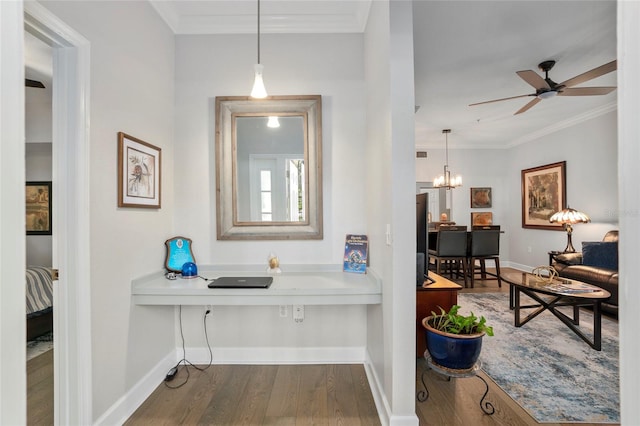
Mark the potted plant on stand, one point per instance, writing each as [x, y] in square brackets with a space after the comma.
[454, 340]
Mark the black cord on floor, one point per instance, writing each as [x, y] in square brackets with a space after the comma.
[184, 361]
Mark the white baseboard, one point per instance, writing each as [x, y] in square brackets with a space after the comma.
[377, 390]
[518, 266]
[380, 399]
[126, 405]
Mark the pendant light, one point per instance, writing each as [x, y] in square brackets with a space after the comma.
[445, 180]
[273, 122]
[258, 90]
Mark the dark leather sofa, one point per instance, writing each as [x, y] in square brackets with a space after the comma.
[570, 265]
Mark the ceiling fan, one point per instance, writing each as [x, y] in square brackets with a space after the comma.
[33, 83]
[547, 88]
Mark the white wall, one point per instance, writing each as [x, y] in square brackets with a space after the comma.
[38, 136]
[478, 168]
[300, 64]
[590, 150]
[132, 90]
[38, 115]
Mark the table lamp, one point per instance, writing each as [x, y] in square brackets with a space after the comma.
[568, 217]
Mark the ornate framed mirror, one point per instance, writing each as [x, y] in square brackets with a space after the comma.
[269, 168]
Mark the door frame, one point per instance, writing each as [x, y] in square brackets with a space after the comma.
[71, 221]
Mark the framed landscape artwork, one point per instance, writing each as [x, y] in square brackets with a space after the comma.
[38, 208]
[543, 194]
[138, 173]
[481, 218]
[480, 198]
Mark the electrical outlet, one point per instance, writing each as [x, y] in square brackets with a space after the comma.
[298, 313]
[528, 249]
[284, 311]
[208, 309]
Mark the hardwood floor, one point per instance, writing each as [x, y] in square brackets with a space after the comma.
[40, 390]
[295, 395]
[457, 402]
[263, 395]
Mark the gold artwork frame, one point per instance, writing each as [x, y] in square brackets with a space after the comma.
[38, 208]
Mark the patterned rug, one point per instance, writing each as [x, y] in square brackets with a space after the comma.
[545, 367]
[39, 345]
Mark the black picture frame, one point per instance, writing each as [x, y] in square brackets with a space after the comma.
[38, 199]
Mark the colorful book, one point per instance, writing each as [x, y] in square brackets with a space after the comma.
[356, 250]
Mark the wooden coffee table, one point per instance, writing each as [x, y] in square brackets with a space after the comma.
[552, 295]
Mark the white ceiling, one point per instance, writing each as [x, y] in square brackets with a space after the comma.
[469, 51]
[465, 52]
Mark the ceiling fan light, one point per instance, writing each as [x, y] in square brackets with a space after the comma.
[258, 91]
[547, 95]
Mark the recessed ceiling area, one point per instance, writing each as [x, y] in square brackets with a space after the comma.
[276, 16]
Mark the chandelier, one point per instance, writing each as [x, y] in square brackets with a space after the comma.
[445, 180]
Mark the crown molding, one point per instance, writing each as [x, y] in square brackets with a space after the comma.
[581, 118]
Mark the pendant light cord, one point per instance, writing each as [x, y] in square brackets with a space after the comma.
[258, 31]
[446, 148]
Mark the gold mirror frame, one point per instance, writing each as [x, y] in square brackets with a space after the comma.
[228, 227]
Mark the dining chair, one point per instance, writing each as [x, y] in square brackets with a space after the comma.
[485, 245]
[451, 250]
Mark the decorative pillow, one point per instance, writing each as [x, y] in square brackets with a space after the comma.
[600, 254]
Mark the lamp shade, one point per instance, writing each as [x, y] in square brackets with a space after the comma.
[569, 216]
[258, 91]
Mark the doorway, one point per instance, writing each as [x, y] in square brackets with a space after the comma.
[70, 239]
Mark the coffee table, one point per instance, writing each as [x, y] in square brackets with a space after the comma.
[555, 294]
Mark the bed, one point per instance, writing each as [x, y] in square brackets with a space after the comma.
[39, 292]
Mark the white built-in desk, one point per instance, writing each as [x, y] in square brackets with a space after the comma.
[296, 285]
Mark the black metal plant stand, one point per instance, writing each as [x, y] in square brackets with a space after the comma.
[423, 395]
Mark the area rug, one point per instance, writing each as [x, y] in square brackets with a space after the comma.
[39, 345]
[548, 370]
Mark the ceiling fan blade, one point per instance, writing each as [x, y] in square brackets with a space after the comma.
[33, 83]
[502, 99]
[534, 79]
[528, 106]
[589, 75]
[586, 91]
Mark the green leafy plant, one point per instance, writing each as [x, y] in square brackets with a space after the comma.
[455, 323]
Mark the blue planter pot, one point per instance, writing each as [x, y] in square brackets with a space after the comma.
[455, 351]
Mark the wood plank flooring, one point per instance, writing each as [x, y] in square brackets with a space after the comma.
[40, 389]
[263, 395]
